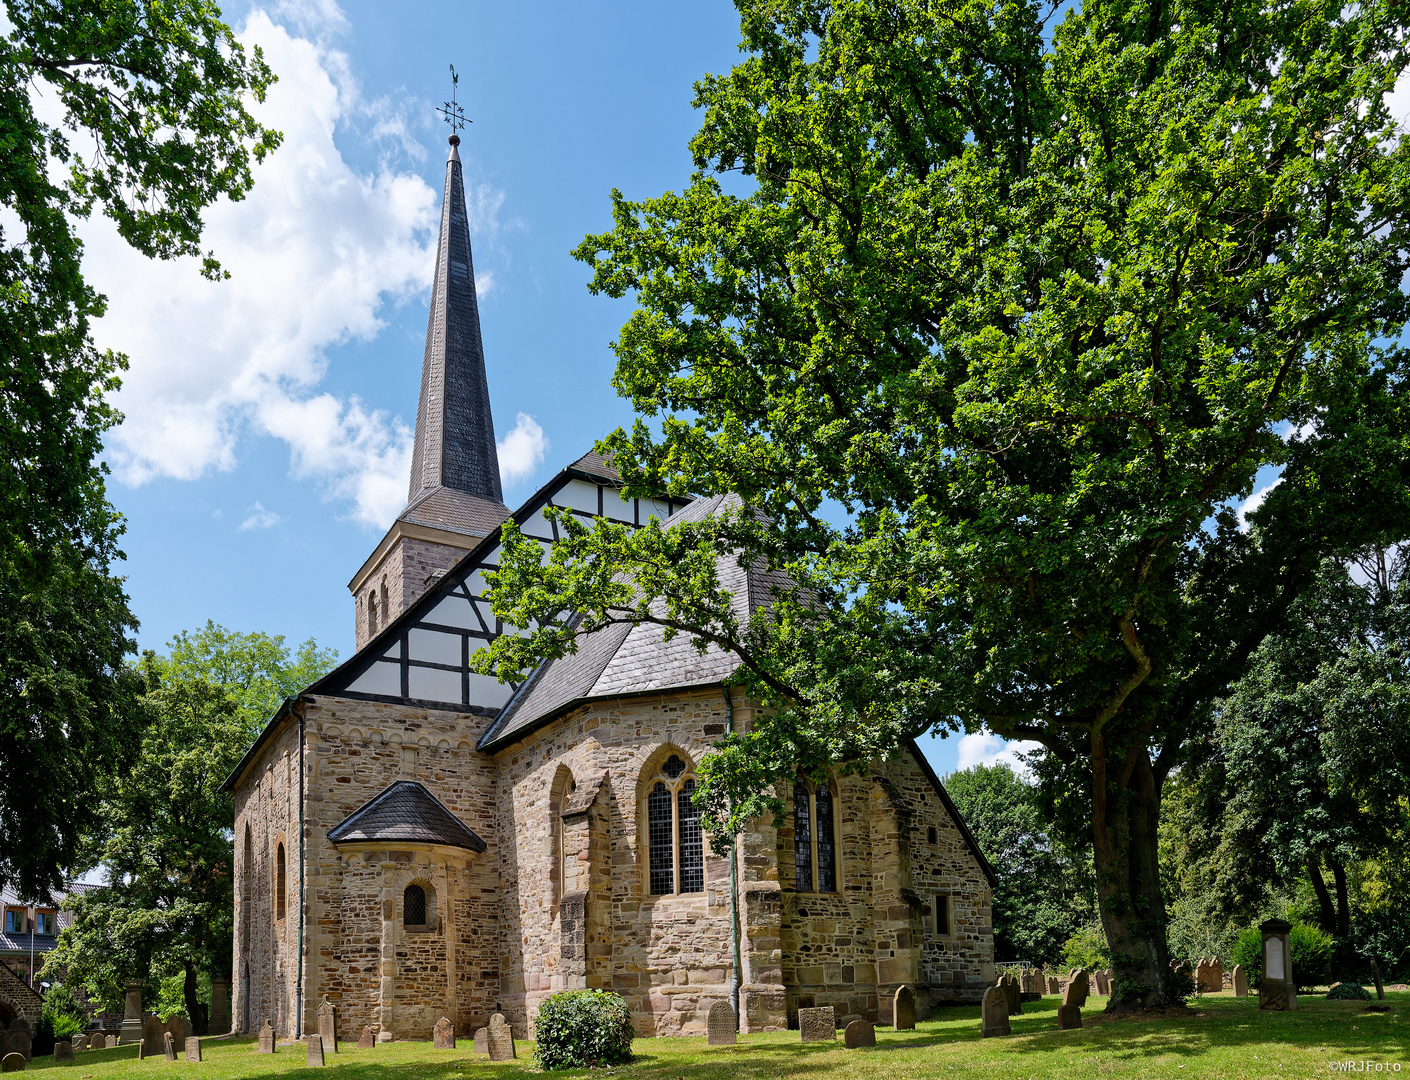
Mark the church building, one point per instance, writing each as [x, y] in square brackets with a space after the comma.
[413, 840]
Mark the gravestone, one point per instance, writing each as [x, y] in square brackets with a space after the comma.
[903, 1010]
[817, 1025]
[132, 1015]
[1011, 992]
[193, 1050]
[79, 1043]
[1076, 992]
[368, 1039]
[721, 1027]
[1054, 986]
[859, 1033]
[1278, 990]
[179, 1029]
[266, 1038]
[501, 1039]
[12, 1062]
[1376, 977]
[142, 1050]
[443, 1034]
[17, 1039]
[218, 1022]
[1069, 1017]
[1240, 981]
[482, 1040]
[994, 1013]
[315, 1051]
[1216, 976]
[1099, 978]
[168, 1046]
[152, 1032]
[328, 1026]
[97, 1041]
[63, 1051]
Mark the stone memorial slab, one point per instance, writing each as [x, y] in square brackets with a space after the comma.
[1076, 992]
[79, 1043]
[721, 1028]
[152, 1030]
[859, 1033]
[328, 1026]
[903, 1010]
[501, 1039]
[142, 1050]
[994, 1013]
[12, 1062]
[1216, 976]
[1011, 992]
[218, 1021]
[1240, 981]
[1069, 1017]
[817, 1025]
[482, 1040]
[97, 1041]
[179, 1027]
[1054, 985]
[1099, 981]
[1278, 989]
[266, 1038]
[368, 1039]
[443, 1034]
[193, 1050]
[315, 1051]
[168, 1046]
[17, 1040]
[63, 1052]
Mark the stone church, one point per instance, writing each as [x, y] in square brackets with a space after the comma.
[413, 840]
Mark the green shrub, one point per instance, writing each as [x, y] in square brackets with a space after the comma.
[63, 1015]
[1349, 991]
[1312, 950]
[1086, 949]
[583, 1028]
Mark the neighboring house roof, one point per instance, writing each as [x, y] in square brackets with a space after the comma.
[405, 812]
[621, 660]
[20, 943]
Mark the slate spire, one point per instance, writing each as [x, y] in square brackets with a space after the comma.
[455, 446]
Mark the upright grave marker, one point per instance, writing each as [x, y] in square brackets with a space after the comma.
[328, 1025]
[817, 1025]
[1278, 991]
[721, 1028]
[193, 1050]
[501, 1039]
[994, 1013]
[859, 1033]
[443, 1034]
[903, 1010]
[12, 1062]
[266, 1038]
[315, 1051]
[368, 1040]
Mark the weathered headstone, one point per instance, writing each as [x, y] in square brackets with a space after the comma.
[903, 1010]
[443, 1034]
[97, 1041]
[63, 1051]
[266, 1038]
[315, 1051]
[17, 1039]
[179, 1029]
[482, 1040]
[218, 1021]
[152, 1031]
[168, 1046]
[1076, 992]
[132, 1015]
[859, 1033]
[817, 1025]
[1054, 986]
[1011, 992]
[1376, 976]
[1216, 976]
[1278, 990]
[1099, 979]
[12, 1062]
[328, 1026]
[994, 1013]
[79, 1043]
[142, 1050]
[368, 1039]
[1069, 1016]
[193, 1049]
[721, 1027]
[1240, 981]
[501, 1039]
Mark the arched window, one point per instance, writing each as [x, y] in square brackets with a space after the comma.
[558, 877]
[372, 614]
[414, 906]
[675, 845]
[281, 871]
[814, 839]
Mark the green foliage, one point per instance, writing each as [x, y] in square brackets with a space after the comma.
[157, 91]
[1349, 991]
[583, 1029]
[63, 1013]
[1003, 324]
[1312, 952]
[1044, 893]
[1086, 949]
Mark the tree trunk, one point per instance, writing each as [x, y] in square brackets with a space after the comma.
[1324, 900]
[1343, 929]
[1125, 820]
[194, 1009]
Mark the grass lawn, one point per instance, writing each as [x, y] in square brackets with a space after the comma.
[1222, 1036]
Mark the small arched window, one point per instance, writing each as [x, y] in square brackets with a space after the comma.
[281, 872]
[372, 614]
[675, 845]
[814, 839]
[414, 906]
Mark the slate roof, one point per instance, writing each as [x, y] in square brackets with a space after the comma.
[454, 445]
[405, 812]
[455, 511]
[622, 660]
[19, 943]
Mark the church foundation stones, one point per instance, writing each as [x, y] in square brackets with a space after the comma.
[501, 1039]
[817, 1025]
[859, 1033]
[903, 1010]
[443, 1035]
[994, 1013]
[720, 1025]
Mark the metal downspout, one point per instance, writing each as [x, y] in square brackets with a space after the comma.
[733, 887]
[299, 977]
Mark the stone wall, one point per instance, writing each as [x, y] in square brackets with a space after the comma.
[401, 578]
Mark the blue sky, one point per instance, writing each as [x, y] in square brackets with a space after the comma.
[266, 442]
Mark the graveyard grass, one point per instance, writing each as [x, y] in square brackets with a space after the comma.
[1222, 1036]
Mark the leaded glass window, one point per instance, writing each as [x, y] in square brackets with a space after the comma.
[827, 864]
[661, 840]
[674, 766]
[692, 843]
[802, 839]
[414, 906]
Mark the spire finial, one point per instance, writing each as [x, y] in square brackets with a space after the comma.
[451, 112]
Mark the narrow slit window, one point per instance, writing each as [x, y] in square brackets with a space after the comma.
[658, 819]
[827, 860]
[692, 843]
[281, 871]
[942, 916]
[802, 839]
[414, 906]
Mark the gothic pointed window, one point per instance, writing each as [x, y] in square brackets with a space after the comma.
[802, 838]
[372, 614]
[281, 872]
[814, 838]
[675, 843]
[827, 863]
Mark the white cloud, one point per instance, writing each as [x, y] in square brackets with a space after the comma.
[522, 450]
[315, 251]
[260, 518]
[986, 748]
[1253, 502]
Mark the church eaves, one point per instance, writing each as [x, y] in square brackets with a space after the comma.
[455, 445]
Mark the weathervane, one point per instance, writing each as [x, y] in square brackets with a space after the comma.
[453, 114]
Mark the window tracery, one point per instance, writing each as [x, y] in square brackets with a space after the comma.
[814, 838]
[675, 843]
